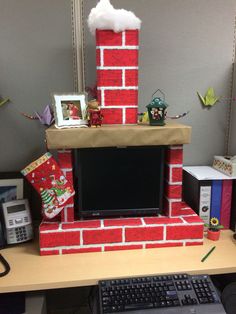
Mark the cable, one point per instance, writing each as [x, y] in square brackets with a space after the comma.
[6, 266]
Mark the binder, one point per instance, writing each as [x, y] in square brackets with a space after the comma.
[197, 194]
[226, 201]
[216, 192]
[233, 208]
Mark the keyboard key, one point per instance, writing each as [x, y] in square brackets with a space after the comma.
[138, 306]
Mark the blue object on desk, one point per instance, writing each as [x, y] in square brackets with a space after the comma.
[216, 191]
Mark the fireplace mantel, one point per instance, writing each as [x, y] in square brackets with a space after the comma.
[118, 135]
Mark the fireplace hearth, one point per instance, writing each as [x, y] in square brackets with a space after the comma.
[178, 225]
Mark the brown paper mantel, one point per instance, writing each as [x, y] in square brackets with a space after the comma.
[118, 135]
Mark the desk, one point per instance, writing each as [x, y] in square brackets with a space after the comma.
[29, 271]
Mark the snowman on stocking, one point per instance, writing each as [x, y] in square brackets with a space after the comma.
[47, 178]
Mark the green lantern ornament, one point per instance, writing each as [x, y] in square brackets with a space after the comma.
[157, 109]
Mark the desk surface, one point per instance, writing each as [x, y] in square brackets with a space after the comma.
[29, 271]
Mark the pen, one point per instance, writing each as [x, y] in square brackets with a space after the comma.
[206, 256]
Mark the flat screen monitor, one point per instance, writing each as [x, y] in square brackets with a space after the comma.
[117, 182]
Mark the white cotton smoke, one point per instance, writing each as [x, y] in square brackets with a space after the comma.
[104, 16]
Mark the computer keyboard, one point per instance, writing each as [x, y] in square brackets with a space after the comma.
[179, 293]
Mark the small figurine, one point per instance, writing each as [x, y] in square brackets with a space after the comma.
[94, 113]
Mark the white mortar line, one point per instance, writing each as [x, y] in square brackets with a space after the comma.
[174, 183]
[118, 47]
[69, 206]
[123, 115]
[175, 147]
[117, 88]
[67, 151]
[66, 169]
[102, 67]
[102, 96]
[65, 213]
[119, 107]
[81, 238]
[123, 38]
[174, 200]
[101, 57]
[173, 165]
[123, 78]
[123, 234]
[164, 233]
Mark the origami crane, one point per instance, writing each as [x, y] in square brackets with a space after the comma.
[209, 99]
[46, 117]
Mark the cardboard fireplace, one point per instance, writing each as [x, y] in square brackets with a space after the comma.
[177, 226]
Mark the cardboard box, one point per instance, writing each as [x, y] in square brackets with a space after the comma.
[225, 164]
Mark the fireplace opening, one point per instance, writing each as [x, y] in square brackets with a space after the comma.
[118, 181]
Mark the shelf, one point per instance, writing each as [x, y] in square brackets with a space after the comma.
[118, 135]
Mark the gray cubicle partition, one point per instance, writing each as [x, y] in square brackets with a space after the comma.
[35, 60]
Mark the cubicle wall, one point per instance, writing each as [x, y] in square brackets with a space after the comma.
[232, 130]
[35, 60]
[185, 46]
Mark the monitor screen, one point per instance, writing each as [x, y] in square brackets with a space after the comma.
[119, 181]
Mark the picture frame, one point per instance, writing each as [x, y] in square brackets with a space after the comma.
[70, 110]
[11, 187]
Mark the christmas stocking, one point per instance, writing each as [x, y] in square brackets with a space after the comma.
[47, 178]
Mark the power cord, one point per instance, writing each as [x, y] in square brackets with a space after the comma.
[6, 266]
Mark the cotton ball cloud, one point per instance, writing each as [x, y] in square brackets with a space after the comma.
[105, 16]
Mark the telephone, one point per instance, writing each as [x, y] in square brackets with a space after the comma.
[18, 221]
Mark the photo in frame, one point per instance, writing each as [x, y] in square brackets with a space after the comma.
[11, 189]
[70, 110]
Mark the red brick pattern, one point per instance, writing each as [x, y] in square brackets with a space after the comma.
[143, 234]
[121, 58]
[180, 227]
[87, 250]
[174, 155]
[174, 174]
[194, 243]
[112, 116]
[121, 234]
[123, 222]
[54, 239]
[132, 38]
[173, 191]
[98, 57]
[173, 180]
[49, 252]
[64, 159]
[102, 236]
[131, 115]
[109, 78]
[167, 244]
[108, 38]
[117, 75]
[118, 97]
[131, 77]
[183, 232]
[122, 247]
